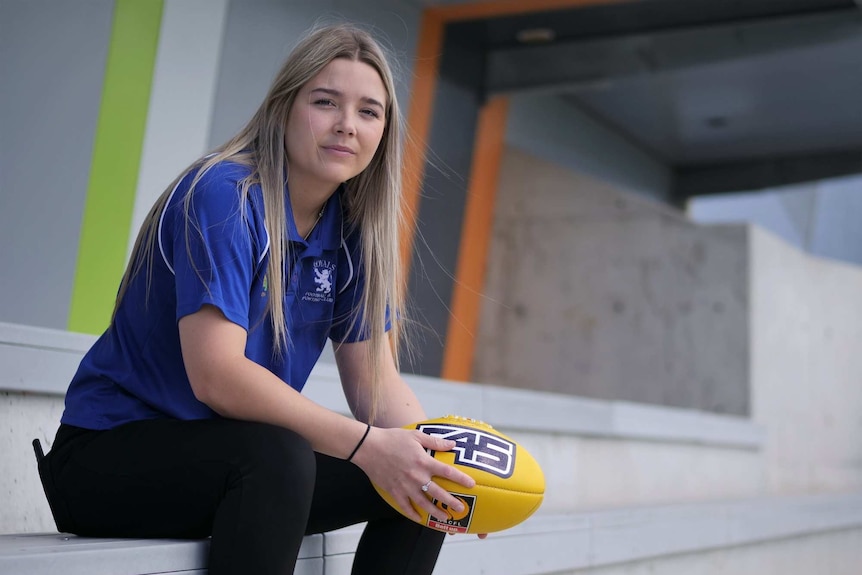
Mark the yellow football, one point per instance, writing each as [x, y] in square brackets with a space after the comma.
[509, 486]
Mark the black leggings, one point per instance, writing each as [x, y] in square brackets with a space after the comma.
[256, 489]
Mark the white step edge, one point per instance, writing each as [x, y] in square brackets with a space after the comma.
[48, 554]
[542, 544]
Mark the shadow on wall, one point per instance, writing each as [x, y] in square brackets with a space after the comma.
[594, 292]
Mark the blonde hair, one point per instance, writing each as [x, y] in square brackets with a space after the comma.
[372, 198]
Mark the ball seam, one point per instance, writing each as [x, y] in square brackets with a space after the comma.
[509, 490]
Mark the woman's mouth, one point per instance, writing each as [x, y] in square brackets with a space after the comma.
[340, 150]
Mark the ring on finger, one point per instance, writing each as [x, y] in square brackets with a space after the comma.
[425, 487]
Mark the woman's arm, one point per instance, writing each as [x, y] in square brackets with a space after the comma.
[398, 407]
[233, 386]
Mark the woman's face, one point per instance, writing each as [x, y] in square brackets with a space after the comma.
[335, 125]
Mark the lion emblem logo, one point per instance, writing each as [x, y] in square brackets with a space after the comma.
[323, 280]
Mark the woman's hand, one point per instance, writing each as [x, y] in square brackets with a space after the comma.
[396, 461]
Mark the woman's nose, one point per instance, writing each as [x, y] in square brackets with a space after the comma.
[345, 125]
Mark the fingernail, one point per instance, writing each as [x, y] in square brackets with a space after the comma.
[459, 506]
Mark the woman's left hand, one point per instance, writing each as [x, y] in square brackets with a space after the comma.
[396, 460]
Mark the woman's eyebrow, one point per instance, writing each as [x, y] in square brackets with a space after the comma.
[338, 94]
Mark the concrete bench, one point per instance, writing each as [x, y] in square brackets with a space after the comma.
[70, 555]
[58, 553]
[545, 544]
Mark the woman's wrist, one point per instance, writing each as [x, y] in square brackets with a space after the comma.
[359, 444]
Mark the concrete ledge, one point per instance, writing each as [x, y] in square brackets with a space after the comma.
[552, 544]
[46, 554]
[38, 360]
[543, 544]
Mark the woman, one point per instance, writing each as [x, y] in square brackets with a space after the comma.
[185, 419]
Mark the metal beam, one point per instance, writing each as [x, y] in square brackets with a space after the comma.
[569, 66]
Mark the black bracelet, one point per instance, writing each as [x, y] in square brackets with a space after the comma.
[361, 441]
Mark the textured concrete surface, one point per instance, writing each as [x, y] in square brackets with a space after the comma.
[590, 473]
[598, 293]
[806, 366]
[835, 553]
[23, 418]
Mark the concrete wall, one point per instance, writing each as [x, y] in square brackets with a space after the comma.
[806, 364]
[28, 417]
[599, 293]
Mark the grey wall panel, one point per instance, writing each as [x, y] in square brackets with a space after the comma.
[261, 33]
[52, 61]
[441, 214]
[444, 193]
[258, 36]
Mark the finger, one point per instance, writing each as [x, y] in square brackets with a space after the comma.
[423, 501]
[407, 508]
[452, 473]
[482, 535]
[426, 500]
[435, 443]
[446, 498]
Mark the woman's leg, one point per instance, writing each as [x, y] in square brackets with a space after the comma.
[391, 544]
[248, 485]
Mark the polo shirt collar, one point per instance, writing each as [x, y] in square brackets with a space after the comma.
[326, 234]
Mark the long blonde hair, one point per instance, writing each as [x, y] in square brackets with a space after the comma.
[372, 198]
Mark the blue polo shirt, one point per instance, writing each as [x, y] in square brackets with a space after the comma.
[135, 369]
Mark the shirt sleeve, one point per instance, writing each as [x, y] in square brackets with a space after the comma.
[213, 249]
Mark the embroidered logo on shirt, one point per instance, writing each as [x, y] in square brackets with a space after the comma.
[323, 281]
[324, 272]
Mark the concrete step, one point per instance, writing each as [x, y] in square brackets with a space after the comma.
[544, 544]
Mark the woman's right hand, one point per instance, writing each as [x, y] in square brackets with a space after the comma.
[396, 460]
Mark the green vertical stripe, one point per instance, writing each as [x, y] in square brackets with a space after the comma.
[116, 160]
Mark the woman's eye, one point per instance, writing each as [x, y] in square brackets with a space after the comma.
[371, 113]
[324, 102]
